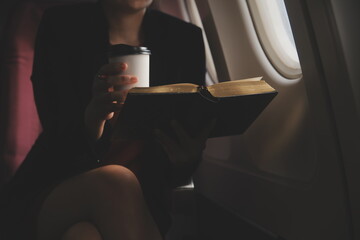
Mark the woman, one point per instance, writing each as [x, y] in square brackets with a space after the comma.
[68, 186]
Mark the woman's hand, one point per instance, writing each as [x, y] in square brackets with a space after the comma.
[110, 88]
[185, 151]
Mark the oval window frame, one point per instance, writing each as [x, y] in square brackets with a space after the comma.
[277, 42]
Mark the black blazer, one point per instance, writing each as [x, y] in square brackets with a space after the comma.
[71, 46]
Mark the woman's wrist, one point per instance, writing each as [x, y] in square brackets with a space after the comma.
[95, 129]
[94, 126]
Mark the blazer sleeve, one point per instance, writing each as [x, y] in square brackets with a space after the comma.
[60, 115]
[194, 67]
[43, 73]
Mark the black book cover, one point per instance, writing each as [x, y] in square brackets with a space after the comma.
[144, 112]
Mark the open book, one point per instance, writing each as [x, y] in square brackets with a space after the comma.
[235, 105]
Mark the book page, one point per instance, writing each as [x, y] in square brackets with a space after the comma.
[240, 87]
[170, 88]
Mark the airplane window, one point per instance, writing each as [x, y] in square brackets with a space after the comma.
[274, 31]
[194, 17]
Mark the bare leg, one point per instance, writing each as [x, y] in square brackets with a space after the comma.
[109, 198]
[82, 231]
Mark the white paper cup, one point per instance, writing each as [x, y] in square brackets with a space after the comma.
[137, 60]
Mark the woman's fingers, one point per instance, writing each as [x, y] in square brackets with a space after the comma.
[117, 82]
[112, 69]
[112, 75]
[122, 82]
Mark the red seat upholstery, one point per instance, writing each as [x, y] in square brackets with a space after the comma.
[20, 124]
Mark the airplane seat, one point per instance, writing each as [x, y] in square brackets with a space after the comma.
[19, 122]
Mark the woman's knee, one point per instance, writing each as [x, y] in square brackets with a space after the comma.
[113, 177]
[96, 185]
[82, 231]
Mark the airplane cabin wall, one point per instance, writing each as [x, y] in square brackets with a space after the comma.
[293, 173]
[347, 19]
[338, 52]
